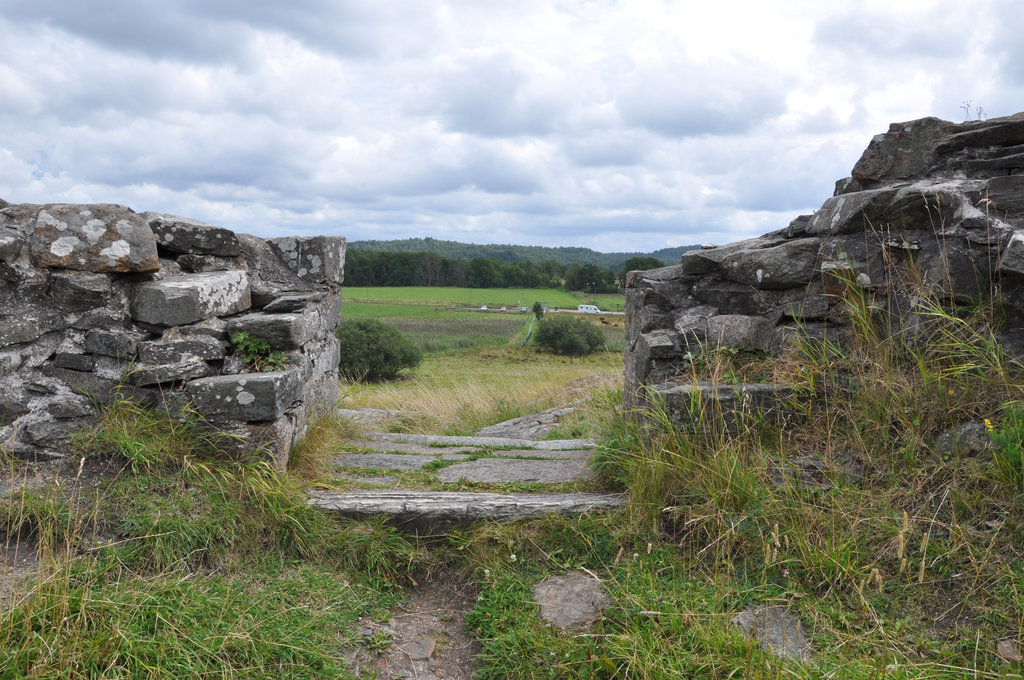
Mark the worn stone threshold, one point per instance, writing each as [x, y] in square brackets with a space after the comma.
[434, 511]
[493, 442]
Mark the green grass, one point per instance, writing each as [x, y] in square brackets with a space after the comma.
[446, 335]
[187, 564]
[493, 298]
[908, 566]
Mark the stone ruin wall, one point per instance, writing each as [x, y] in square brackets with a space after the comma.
[932, 208]
[98, 302]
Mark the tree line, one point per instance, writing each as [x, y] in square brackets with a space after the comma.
[379, 268]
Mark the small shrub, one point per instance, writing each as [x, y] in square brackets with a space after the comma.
[568, 336]
[256, 353]
[371, 350]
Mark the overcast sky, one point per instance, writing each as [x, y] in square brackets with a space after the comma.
[620, 126]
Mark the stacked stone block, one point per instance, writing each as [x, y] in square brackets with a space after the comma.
[932, 210]
[98, 302]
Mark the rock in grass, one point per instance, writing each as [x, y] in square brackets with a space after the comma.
[777, 631]
[570, 602]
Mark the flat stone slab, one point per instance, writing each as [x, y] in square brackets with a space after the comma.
[570, 602]
[183, 235]
[515, 470]
[495, 442]
[533, 426]
[379, 480]
[390, 461]
[439, 510]
[777, 631]
[401, 447]
[421, 449]
[188, 298]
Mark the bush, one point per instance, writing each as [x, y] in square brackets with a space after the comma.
[371, 350]
[568, 336]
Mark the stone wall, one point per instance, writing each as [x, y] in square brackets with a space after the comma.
[933, 209]
[98, 302]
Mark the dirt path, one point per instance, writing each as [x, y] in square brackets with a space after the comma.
[425, 638]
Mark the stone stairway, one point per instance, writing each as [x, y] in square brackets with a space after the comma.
[432, 483]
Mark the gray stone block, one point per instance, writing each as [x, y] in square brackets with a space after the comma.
[788, 265]
[740, 332]
[496, 470]
[76, 362]
[1012, 260]
[186, 369]
[188, 298]
[318, 259]
[247, 396]
[95, 238]
[182, 235]
[174, 351]
[293, 302]
[75, 291]
[121, 344]
[11, 242]
[282, 331]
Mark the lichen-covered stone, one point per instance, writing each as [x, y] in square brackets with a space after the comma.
[319, 259]
[173, 351]
[182, 235]
[192, 297]
[186, 369]
[247, 397]
[95, 238]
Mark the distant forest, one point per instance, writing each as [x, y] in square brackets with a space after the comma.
[430, 262]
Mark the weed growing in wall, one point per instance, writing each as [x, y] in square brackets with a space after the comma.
[256, 353]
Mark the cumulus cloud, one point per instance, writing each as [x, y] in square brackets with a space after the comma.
[620, 126]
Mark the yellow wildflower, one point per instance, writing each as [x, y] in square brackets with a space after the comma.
[988, 425]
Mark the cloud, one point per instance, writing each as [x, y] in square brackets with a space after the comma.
[624, 126]
[683, 98]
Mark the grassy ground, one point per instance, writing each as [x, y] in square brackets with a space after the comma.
[458, 393]
[906, 564]
[493, 298]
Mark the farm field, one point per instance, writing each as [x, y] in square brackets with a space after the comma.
[440, 330]
[493, 298]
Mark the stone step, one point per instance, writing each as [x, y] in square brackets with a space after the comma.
[497, 470]
[533, 426]
[445, 451]
[437, 511]
[493, 442]
[400, 462]
[519, 465]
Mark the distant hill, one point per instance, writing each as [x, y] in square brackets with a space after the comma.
[509, 253]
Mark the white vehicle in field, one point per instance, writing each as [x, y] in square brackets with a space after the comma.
[588, 309]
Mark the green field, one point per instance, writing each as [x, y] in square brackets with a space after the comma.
[493, 298]
[441, 327]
